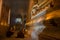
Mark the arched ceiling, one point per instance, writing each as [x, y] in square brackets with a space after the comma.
[17, 4]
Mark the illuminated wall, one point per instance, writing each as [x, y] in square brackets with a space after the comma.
[4, 13]
[0, 8]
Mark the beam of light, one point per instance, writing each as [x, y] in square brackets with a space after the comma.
[36, 28]
[36, 31]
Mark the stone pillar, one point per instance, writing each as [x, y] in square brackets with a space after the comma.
[4, 13]
[31, 3]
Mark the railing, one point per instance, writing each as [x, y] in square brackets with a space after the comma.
[38, 9]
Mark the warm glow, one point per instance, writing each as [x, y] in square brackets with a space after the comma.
[4, 24]
[48, 17]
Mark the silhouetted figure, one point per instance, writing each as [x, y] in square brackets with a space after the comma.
[20, 34]
[10, 32]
